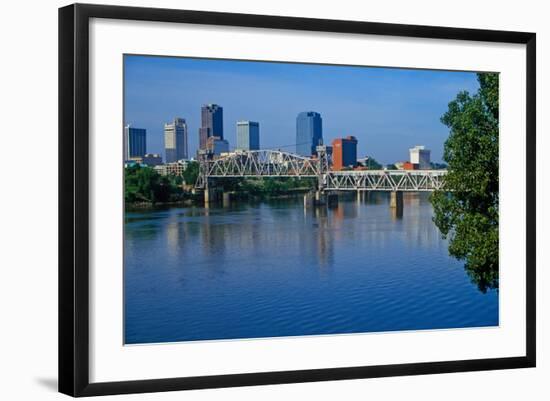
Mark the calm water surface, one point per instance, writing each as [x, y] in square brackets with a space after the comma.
[274, 269]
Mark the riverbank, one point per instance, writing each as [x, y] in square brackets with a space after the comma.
[190, 199]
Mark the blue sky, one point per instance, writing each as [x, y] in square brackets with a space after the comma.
[388, 110]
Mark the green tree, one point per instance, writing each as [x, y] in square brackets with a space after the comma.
[191, 173]
[144, 184]
[467, 213]
[372, 164]
[438, 166]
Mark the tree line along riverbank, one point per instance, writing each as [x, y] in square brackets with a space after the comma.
[143, 186]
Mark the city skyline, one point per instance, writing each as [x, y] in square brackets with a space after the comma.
[363, 101]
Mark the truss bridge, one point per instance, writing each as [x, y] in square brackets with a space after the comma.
[272, 163]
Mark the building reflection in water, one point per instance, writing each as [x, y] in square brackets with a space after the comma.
[243, 231]
[363, 219]
[324, 244]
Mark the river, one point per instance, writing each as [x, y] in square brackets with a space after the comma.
[273, 268]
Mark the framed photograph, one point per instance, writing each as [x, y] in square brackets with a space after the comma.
[251, 199]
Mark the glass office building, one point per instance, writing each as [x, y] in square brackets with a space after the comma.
[135, 142]
[211, 123]
[248, 135]
[309, 132]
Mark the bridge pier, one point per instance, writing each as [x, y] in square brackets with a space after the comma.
[226, 199]
[320, 198]
[207, 196]
[211, 195]
[396, 201]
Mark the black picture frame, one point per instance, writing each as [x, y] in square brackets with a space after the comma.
[74, 198]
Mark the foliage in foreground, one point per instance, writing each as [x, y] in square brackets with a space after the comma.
[468, 214]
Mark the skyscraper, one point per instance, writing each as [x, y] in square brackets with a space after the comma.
[135, 142]
[344, 152]
[175, 140]
[211, 123]
[309, 132]
[248, 135]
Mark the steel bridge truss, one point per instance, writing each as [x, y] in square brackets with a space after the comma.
[386, 180]
[271, 163]
[258, 163]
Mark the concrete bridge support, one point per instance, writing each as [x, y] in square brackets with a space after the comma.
[211, 195]
[208, 195]
[396, 204]
[396, 199]
[320, 198]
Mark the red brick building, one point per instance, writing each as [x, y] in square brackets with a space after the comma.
[344, 153]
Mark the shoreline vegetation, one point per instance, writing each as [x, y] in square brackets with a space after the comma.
[144, 187]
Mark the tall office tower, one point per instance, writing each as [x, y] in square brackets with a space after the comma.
[175, 140]
[135, 142]
[248, 135]
[421, 156]
[309, 132]
[211, 123]
[344, 153]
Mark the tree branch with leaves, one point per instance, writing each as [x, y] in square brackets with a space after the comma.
[468, 211]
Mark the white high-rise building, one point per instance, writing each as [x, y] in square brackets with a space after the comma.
[175, 140]
[421, 156]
